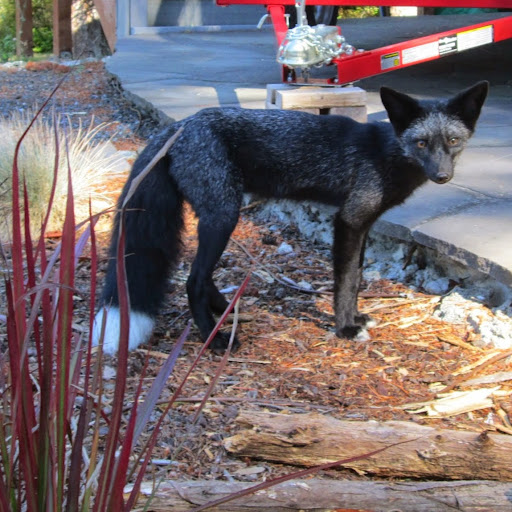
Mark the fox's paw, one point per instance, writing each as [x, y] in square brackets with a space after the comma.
[220, 343]
[141, 328]
[353, 332]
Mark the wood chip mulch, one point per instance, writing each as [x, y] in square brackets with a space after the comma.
[290, 360]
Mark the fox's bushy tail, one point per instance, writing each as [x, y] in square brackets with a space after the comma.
[153, 224]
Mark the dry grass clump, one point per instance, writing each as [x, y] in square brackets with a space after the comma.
[92, 166]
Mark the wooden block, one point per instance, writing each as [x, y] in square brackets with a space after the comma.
[356, 113]
[272, 88]
[346, 101]
[309, 110]
[273, 106]
[319, 97]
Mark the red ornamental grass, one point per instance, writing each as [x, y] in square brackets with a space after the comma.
[43, 429]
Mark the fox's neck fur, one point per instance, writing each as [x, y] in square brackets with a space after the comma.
[403, 175]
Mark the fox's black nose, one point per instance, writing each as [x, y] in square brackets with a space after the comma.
[442, 178]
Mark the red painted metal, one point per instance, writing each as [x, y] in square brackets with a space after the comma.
[374, 62]
[278, 20]
[390, 58]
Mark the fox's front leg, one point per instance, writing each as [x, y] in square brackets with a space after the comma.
[348, 257]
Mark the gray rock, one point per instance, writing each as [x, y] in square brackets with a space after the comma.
[284, 248]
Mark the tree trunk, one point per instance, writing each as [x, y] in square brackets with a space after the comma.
[328, 495]
[62, 36]
[428, 453]
[24, 25]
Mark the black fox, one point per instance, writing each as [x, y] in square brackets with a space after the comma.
[363, 169]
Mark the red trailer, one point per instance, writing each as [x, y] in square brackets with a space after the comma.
[355, 64]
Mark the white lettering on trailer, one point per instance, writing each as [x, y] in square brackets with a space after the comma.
[448, 44]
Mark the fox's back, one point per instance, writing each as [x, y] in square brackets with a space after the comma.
[288, 153]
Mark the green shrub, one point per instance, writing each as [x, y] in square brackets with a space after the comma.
[43, 23]
[358, 12]
[43, 40]
[7, 29]
[42, 27]
[7, 47]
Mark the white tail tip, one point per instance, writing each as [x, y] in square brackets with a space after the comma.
[141, 328]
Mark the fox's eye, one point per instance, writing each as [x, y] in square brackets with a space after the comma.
[453, 141]
[421, 143]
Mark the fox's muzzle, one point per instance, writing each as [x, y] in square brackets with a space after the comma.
[439, 170]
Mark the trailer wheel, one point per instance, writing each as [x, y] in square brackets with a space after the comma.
[326, 14]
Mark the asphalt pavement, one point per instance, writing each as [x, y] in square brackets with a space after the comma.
[174, 72]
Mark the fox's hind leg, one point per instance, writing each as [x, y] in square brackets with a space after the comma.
[203, 295]
[348, 257]
[213, 186]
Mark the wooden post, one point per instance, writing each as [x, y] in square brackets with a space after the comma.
[24, 42]
[62, 34]
[107, 13]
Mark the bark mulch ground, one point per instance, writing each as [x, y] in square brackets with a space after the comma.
[290, 360]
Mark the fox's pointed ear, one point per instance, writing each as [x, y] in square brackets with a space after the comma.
[402, 109]
[467, 104]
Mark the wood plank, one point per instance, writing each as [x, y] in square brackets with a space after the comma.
[322, 495]
[321, 97]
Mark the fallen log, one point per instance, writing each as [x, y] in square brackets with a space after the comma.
[328, 495]
[428, 453]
